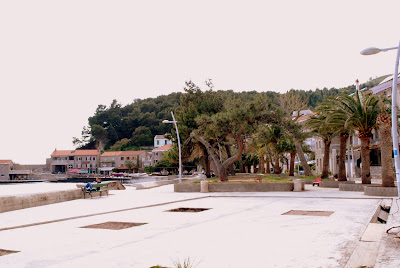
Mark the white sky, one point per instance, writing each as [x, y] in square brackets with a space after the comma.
[60, 59]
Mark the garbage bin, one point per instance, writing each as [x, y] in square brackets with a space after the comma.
[204, 186]
[298, 186]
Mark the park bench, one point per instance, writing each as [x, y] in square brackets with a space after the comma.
[317, 181]
[97, 188]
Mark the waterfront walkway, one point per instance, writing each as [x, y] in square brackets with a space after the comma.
[237, 230]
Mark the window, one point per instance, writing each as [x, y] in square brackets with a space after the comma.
[165, 142]
[79, 165]
[79, 158]
[69, 166]
[122, 158]
[128, 158]
[158, 142]
[94, 158]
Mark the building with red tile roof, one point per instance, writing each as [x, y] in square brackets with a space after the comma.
[63, 161]
[118, 159]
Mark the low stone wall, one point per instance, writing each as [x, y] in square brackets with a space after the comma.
[9, 203]
[355, 187]
[152, 184]
[236, 187]
[380, 191]
[333, 184]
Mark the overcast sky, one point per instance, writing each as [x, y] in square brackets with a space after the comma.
[60, 59]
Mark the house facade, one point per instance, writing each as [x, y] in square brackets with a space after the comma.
[118, 159]
[160, 140]
[5, 168]
[64, 161]
[157, 153]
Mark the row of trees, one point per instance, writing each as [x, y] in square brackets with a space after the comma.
[118, 127]
[227, 128]
[344, 115]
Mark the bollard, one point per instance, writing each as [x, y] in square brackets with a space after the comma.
[204, 186]
[298, 186]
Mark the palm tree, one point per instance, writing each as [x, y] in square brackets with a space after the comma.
[385, 126]
[320, 126]
[361, 113]
[337, 119]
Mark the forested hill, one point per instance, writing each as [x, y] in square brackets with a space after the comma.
[128, 127]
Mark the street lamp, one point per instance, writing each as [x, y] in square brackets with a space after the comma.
[371, 51]
[179, 143]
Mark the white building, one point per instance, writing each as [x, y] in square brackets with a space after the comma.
[160, 140]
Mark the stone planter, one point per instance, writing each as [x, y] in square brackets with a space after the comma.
[187, 187]
[333, 184]
[236, 187]
[380, 191]
[355, 187]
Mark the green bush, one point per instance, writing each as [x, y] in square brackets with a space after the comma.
[149, 169]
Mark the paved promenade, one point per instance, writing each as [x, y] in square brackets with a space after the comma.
[237, 230]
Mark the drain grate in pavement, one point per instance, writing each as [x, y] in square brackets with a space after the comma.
[188, 209]
[114, 225]
[5, 252]
[309, 213]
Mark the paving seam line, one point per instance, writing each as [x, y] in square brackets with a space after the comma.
[98, 214]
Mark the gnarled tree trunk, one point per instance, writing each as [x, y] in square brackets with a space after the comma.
[384, 121]
[276, 166]
[303, 160]
[206, 163]
[221, 168]
[261, 164]
[365, 161]
[342, 157]
[291, 167]
[231, 167]
[325, 160]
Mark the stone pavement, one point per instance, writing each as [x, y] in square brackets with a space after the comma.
[238, 230]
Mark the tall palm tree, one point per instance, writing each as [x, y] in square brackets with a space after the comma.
[385, 126]
[320, 126]
[336, 118]
[361, 113]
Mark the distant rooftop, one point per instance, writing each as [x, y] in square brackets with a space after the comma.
[75, 152]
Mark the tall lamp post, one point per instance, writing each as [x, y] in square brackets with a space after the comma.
[371, 51]
[179, 143]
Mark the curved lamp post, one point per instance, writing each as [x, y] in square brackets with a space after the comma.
[179, 143]
[371, 51]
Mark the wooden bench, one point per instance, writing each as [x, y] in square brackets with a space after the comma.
[317, 181]
[97, 188]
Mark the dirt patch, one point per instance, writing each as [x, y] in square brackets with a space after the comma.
[5, 252]
[187, 209]
[114, 225]
[309, 213]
